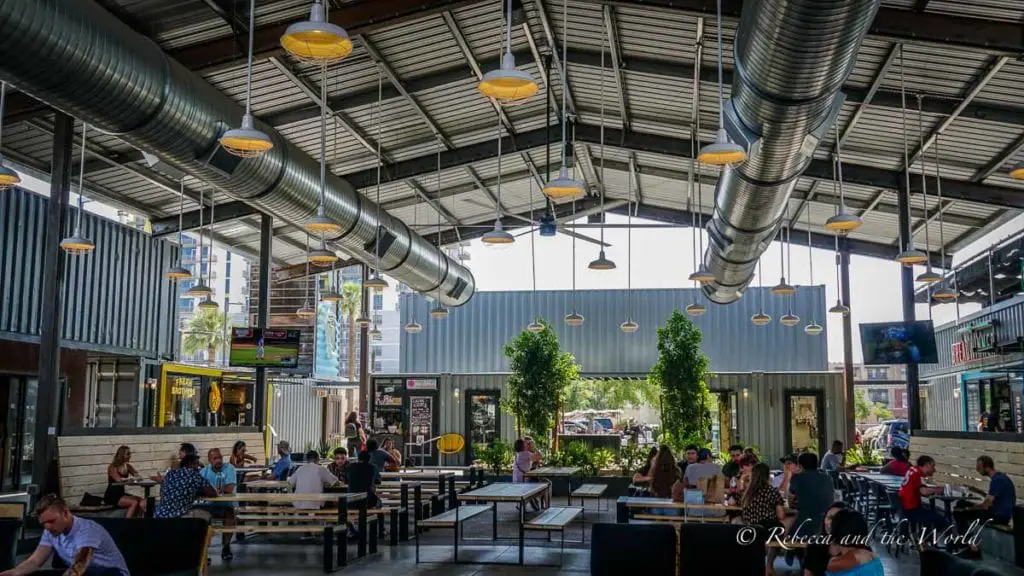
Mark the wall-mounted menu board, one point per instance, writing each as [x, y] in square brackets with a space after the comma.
[421, 417]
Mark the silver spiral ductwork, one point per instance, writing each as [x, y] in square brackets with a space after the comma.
[80, 59]
[791, 59]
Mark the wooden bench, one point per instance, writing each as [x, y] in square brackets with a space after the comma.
[291, 514]
[454, 519]
[590, 491]
[556, 519]
[688, 516]
[335, 539]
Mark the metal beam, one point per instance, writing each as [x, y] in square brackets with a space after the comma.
[909, 312]
[556, 54]
[934, 215]
[483, 188]
[434, 203]
[263, 314]
[999, 159]
[611, 29]
[636, 177]
[849, 387]
[226, 211]
[225, 10]
[876, 83]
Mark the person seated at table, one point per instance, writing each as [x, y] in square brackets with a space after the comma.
[79, 542]
[180, 489]
[381, 457]
[524, 461]
[389, 446]
[362, 476]
[811, 493]
[339, 464]
[833, 460]
[283, 466]
[763, 506]
[311, 478]
[997, 505]
[703, 468]
[816, 557]
[850, 547]
[789, 468]
[689, 457]
[644, 473]
[731, 469]
[120, 471]
[223, 478]
[185, 449]
[913, 489]
[664, 474]
[899, 465]
[240, 457]
[747, 463]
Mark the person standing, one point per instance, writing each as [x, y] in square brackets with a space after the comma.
[222, 477]
[380, 457]
[80, 543]
[284, 461]
[811, 493]
[355, 435]
[120, 471]
[362, 477]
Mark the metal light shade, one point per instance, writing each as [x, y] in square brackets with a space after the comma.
[376, 282]
[601, 263]
[77, 245]
[413, 328]
[696, 309]
[199, 290]
[761, 319]
[944, 294]
[564, 187]
[362, 322]
[789, 320]
[330, 295]
[316, 40]
[178, 273]
[702, 275]
[535, 327]
[375, 333]
[439, 312]
[508, 84]
[8, 178]
[783, 289]
[208, 304]
[322, 257]
[322, 226]
[839, 308]
[246, 141]
[722, 152]
[929, 277]
[497, 238]
[575, 319]
[813, 329]
[629, 327]
[911, 257]
[1017, 173]
[843, 222]
[306, 311]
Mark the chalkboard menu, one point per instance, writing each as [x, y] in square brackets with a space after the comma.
[421, 416]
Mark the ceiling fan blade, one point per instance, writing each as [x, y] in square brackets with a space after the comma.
[584, 238]
[525, 232]
[491, 207]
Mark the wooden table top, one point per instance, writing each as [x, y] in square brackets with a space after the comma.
[279, 498]
[505, 492]
[415, 475]
[552, 471]
[257, 484]
[644, 502]
[143, 483]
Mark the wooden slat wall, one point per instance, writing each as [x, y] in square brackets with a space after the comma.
[84, 459]
[955, 459]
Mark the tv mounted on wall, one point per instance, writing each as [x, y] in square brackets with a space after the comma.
[899, 343]
[264, 348]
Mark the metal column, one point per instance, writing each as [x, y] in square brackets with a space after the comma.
[364, 347]
[52, 313]
[844, 294]
[909, 313]
[263, 315]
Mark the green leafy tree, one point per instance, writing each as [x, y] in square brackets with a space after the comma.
[881, 412]
[861, 407]
[611, 394]
[540, 379]
[351, 304]
[206, 331]
[681, 373]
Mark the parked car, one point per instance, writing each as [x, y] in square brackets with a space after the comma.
[570, 427]
[893, 433]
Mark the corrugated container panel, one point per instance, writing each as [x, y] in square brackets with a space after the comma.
[472, 337]
[453, 414]
[1009, 318]
[420, 46]
[483, 27]
[971, 143]
[458, 107]
[296, 414]
[761, 418]
[942, 410]
[1011, 10]
[115, 300]
[1004, 87]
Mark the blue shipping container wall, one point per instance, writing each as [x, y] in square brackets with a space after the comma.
[471, 338]
[116, 299]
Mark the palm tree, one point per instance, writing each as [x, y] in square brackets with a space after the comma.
[351, 305]
[206, 331]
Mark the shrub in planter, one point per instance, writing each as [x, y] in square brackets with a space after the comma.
[631, 457]
[497, 456]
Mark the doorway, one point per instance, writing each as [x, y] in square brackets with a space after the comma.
[724, 428]
[17, 430]
[805, 413]
[483, 420]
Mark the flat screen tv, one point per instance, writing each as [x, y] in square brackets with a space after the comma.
[266, 348]
[899, 343]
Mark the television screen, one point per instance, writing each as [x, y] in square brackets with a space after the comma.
[270, 348]
[899, 343]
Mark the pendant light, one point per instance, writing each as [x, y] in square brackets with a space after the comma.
[306, 311]
[812, 329]
[508, 84]
[209, 303]
[760, 319]
[908, 256]
[8, 177]
[789, 319]
[602, 262]
[722, 152]
[77, 244]
[839, 308]
[247, 141]
[362, 321]
[200, 289]
[695, 308]
[376, 281]
[320, 224]
[322, 257]
[179, 272]
[842, 222]
[574, 318]
[375, 333]
[1016, 173]
[629, 326]
[782, 288]
[330, 295]
[316, 40]
[496, 237]
[701, 274]
[943, 293]
[439, 312]
[535, 325]
[414, 327]
[928, 276]
[565, 187]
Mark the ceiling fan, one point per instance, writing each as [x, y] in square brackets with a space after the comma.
[547, 222]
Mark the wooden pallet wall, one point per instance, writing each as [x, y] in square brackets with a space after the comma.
[955, 459]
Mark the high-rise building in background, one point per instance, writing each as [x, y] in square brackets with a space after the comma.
[227, 274]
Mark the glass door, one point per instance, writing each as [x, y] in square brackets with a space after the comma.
[805, 412]
[17, 430]
[483, 420]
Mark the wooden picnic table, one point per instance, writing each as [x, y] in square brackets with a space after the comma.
[520, 493]
[626, 503]
[553, 472]
[267, 485]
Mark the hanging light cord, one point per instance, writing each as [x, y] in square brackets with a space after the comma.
[376, 232]
[3, 101]
[440, 280]
[907, 242]
[839, 165]
[837, 178]
[629, 246]
[533, 257]
[938, 190]
[565, 44]
[306, 279]
[209, 259]
[924, 184]
[721, 91]
[201, 205]
[508, 29]
[760, 286]
[497, 207]
[81, 182]
[323, 139]
[573, 258]
[810, 255]
[248, 74]
[181, 215]
[602, 142]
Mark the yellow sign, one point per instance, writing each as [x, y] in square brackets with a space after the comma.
[183, 387]
[214, 397]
